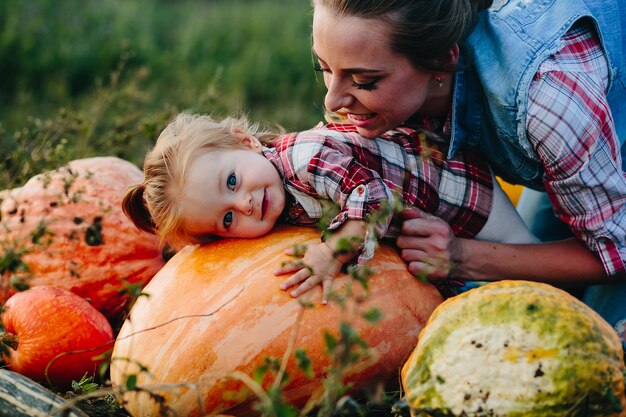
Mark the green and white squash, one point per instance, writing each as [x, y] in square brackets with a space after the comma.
[22, 397]
[516, 348]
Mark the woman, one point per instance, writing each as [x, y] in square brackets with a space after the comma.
[538, 87]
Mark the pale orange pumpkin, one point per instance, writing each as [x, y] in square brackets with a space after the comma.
[53, 335]
[66, 228]
[216, 309]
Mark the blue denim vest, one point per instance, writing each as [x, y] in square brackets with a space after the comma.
[497, 64]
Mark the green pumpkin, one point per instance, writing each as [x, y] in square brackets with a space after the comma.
[516, 348]
[22, 397]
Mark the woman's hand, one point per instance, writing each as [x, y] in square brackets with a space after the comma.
[318, 265]
[428, 245]
[430, 249]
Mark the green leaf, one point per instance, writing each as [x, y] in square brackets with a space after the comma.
[131, 382]
[304, 363]
[373, 315]
[85, 385]
[18, 283]
[103, 367]
[330, 341]
[259, 373]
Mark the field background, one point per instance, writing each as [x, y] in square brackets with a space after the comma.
[81, 78]
[102, 77]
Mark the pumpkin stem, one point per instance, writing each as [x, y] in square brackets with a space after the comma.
[9, 339]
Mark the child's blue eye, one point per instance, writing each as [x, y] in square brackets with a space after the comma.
[231, 181]
[228, 219]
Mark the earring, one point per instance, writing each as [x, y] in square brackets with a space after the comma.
[439, 82]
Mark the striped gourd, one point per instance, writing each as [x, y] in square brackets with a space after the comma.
[22, 397]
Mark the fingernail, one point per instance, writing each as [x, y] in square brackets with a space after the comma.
[282, 287]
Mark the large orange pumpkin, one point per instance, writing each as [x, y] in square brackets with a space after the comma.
[216, 309]
[66, 228]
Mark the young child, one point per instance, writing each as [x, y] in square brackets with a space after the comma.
[206, 179]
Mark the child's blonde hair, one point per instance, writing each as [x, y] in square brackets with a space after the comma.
[155, 205]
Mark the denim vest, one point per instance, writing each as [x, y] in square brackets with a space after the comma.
[497, 64]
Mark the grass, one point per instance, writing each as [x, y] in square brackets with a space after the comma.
[84, 78]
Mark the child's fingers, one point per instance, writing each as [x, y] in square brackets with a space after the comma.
[327, 286]
[288, 267]
[296, 278]
[308, 284]
[296, 250]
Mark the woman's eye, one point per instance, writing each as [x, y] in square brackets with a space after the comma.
[228, 220]
[319, 68]
[365, 86]
[231, 181]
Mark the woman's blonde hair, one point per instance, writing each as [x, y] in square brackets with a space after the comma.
[155, 205]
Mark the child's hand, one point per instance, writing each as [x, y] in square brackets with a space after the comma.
[318, 265]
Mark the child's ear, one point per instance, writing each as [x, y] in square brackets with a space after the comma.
[253, 143]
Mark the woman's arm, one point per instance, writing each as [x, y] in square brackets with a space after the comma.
[565, 262]
[429, 247]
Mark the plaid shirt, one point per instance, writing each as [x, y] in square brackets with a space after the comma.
[571, 128]
[336, 164]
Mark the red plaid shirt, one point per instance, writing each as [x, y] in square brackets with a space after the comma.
[571, 128]
[336, 164]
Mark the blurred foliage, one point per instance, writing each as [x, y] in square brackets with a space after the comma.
[84, 77]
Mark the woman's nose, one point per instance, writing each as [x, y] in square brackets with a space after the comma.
[337, 97]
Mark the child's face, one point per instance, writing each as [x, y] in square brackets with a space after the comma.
[232, 193]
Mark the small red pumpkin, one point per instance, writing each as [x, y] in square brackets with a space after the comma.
[66, 228]
[53, 335]
[216, 309]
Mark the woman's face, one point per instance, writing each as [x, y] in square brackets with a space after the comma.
[375, 87]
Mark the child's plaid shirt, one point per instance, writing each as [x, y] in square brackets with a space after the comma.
[335, 164]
